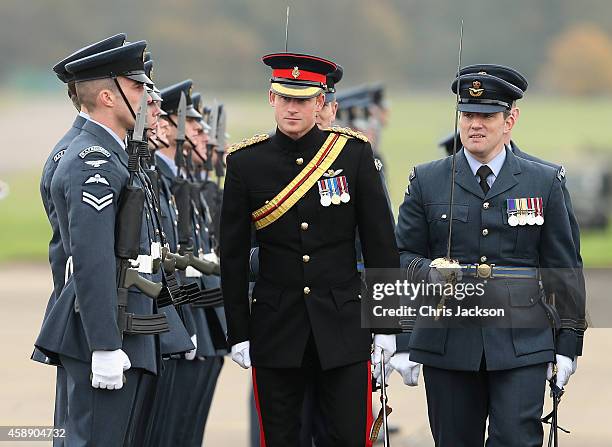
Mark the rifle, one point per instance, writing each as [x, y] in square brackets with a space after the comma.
[127, 242]
[180, 186]
[182, 191]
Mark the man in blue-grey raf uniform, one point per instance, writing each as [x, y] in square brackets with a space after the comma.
[211, 354]
[103, 364]
[179, 417]
[476, 373]
[515, 78]
[57, 255]
[177, 340]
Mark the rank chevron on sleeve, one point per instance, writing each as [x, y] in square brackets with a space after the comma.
[97, 203]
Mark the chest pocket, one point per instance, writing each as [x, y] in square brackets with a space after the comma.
[520, 241]
[338, 222]
[438, 217]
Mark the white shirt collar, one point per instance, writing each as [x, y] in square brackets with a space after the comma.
[110, 131]
[495, 164]
[84, 115]
[169, 162]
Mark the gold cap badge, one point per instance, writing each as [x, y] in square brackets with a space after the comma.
[295, 73]
[475, 89]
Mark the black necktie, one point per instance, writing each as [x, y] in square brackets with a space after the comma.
[483, 172]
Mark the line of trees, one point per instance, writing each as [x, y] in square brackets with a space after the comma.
[555, 43]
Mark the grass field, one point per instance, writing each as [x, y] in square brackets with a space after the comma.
[575, 132]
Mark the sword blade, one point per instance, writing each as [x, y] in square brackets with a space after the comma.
[453, 163]
[287, 29]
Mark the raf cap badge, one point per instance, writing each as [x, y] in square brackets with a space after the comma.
[476, 90]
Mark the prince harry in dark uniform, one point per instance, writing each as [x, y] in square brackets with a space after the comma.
[305, 191]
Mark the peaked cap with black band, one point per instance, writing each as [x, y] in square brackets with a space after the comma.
[482, 93]
[172, 95]
[298, 75]
[500, 71]
[332, 79]
[126, 61]
[105, 44]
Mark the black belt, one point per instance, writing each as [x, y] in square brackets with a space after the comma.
[490, 271]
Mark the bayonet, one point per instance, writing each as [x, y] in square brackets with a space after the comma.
[182, 118]
[213, 119]
[141, 119]
[179, 159]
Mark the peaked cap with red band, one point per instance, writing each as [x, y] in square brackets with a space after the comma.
[298, 75]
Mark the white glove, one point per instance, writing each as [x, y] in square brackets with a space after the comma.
[107, 369]
[190, 355]
[383, 345]
[407, 368]
[565, 368]
[388, 371]
[240, 354]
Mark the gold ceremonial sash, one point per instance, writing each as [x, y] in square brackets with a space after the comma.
[300, 185]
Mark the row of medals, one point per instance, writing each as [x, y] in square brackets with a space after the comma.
[525, 211]
[339, 191]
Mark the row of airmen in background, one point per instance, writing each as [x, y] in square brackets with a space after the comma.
[136, 306]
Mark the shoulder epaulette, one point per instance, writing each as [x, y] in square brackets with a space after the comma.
[248, 142]
[349, 132]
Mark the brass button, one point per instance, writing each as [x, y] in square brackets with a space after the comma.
[483, 259]
[486, 205]
[306, 290]
[299, 161]
[305, 258]
[485, 232]
[304, 226]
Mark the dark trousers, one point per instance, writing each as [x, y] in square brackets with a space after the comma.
[143, 411]
[459, 403]
[204, 402]
[158, 424]
[200, 376]
[61, 404]
[313, 430]
[97, 417]
[344, 395]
